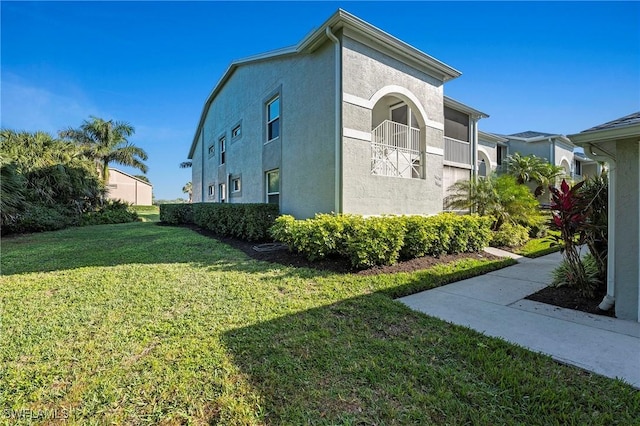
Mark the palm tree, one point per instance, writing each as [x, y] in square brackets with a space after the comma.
[524, 168]
[106, 142]
[499, 197]
[188, 189]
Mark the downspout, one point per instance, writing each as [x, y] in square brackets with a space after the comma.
[338, 121]
[474, 146]
[609, 299]
[202, 172]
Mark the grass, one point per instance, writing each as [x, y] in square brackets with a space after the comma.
[145, 324]
[537, 247]
[147, 213]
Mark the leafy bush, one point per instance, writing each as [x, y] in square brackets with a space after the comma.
[499, 197]
[315, 238]
[39, 218]
[510, 236]
[565, 275]
[382, 240]
[176, 214]
[113, 211]
[374, 241]
[249, 222]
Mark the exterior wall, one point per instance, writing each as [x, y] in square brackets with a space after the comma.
[489, 149]
[564, 156]
[367, 72]
[126, 188]
[304, 152]
[452, 175]
[589, 170]
[539, 149]
[627, 229]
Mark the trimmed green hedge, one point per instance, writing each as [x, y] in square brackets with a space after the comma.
[249, 222]
[176, 214]
[382, 240]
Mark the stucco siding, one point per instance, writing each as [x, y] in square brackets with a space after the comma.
[366, 72]
[541, 150]
[304, 151]
[368, 194]
[128, 189]
[627, 228]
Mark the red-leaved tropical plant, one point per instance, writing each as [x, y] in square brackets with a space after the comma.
[570, 217]
[570, 209]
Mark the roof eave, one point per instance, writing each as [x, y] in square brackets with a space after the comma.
[459, 106]
[605, 135]
[313, 40]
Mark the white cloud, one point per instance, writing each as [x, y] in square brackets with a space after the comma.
[26, 106]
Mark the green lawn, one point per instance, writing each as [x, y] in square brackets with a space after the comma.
[145, 324]
[537, 247]
[147, 213]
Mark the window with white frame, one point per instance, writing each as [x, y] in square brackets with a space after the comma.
[235, 185]
[273, 119]
[273, 186]
[222, 193]
[236, 132]
[212, 191]
[577, 167]
[222, 142]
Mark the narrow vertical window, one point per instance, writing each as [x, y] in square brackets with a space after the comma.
[211, 191]
[222, 193]
[273, 119]
[222, 144]
[235, 185]
[273, 187]
[212, 150]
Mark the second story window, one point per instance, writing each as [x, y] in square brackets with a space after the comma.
[222, 142]
[212, 151]
[273, 119]
[236, 132]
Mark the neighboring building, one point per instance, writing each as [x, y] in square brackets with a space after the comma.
[492, 152]
[584, 167]
[130, 189]
[350, 120]
[555, 148]
[618, 143]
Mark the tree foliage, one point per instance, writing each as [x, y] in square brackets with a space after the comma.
[530, 168]
[107, 142]
[500, 197]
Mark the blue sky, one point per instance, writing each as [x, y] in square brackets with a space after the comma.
[553, 67]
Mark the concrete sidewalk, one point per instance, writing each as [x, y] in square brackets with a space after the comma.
[494, 304]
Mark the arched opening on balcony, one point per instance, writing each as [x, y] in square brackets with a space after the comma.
[398, 141]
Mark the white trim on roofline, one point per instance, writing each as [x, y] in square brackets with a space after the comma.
[340, 19]
[459, 106]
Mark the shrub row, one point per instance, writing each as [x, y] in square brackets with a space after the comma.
[249, 222]
[176, 214]
[382, 240]
[113, 211]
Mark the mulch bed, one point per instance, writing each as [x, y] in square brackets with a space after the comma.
[564, 297]
[338, 265]
[568, 297]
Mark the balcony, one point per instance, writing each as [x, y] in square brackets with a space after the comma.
[395, 150]
[457, 151]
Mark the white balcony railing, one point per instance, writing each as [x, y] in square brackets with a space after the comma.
[457, 151]
[395, 150]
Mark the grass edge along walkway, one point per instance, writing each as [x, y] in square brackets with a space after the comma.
[145, 324]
